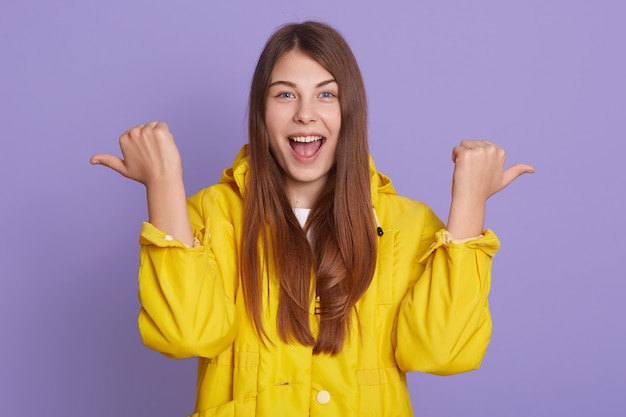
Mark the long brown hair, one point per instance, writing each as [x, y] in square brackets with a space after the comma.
[340, 252]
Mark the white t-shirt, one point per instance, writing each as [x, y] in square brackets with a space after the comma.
[301, 214]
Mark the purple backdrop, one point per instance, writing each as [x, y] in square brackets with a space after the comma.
[545, 79]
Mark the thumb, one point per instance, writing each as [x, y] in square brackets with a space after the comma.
[111, 161]
[515, 171]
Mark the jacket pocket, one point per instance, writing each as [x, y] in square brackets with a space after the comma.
[231, 377]
[383, 392]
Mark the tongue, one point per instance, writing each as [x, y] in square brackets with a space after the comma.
[307, 149]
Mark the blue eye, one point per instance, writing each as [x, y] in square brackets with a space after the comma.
[327, 94]
[285, 95]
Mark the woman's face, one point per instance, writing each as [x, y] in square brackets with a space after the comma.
[303, 119]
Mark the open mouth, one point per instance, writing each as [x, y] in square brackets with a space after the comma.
[306, 146]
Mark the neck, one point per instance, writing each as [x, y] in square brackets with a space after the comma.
[304, 195]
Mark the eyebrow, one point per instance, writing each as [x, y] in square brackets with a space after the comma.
[293, 85]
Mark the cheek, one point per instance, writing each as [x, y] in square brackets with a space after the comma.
[275, 121]
[337, 123]
[332, 119]
[337, 117]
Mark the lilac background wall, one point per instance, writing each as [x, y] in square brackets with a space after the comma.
[545, 79]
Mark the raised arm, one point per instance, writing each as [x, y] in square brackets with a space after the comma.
[444, 323]
[150, 156]
[185, 309]
[478, 174]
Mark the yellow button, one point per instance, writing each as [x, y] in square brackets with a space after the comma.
[323, 397]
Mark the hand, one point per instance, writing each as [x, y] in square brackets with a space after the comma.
[149, 154]
[152, 158]
[478, 174]
[479, 170]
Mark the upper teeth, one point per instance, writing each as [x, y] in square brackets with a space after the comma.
[305, 138]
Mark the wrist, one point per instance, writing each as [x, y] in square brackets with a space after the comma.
[466, 218]
[164, 181]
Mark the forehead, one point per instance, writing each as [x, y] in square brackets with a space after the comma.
[297, 67]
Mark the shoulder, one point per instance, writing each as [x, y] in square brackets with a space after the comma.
[221, 193]
[219, 201]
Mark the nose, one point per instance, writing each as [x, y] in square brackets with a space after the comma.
[305, 112]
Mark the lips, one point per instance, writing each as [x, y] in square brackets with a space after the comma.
[306, 146]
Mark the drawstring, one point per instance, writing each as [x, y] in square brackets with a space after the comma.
[379, 229]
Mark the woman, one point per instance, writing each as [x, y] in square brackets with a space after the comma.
[302, 281]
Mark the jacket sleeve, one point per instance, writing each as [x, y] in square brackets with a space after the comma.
[444, 324]
[185, 311]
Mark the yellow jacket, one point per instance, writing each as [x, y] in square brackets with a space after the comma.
[425, 310]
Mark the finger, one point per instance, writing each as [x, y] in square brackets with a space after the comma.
[455, 152]
[514, 172]
[133, 129]
[163, 128]
[473, 143]
[466, 143]
[150, 125]
[111, 161]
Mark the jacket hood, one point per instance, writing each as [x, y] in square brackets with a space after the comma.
[236, 174]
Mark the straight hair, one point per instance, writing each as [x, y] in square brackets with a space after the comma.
[336, 262]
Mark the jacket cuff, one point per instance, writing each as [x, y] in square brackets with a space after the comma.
[151, 235]
[487, 242]
[447, 238]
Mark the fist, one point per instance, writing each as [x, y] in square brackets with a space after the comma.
[479, 170]
[149, 154]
